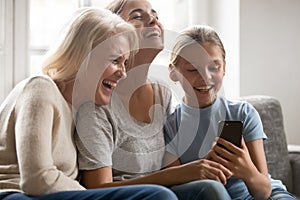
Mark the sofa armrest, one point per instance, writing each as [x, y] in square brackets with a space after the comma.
[294, 148]
[294, 158]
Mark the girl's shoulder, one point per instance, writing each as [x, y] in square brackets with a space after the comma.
[236, 103]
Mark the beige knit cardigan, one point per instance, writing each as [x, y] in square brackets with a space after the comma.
[37, 151]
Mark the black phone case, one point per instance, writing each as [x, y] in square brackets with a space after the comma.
[231, 131]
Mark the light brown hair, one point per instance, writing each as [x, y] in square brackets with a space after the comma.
[195, 34]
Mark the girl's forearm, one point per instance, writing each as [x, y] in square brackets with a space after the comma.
[259, 186]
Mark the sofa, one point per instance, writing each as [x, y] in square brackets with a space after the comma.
[283, 162]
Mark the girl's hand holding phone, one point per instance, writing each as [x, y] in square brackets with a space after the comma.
[236, 159]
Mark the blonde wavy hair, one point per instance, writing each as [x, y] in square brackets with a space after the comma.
[195, 34]
[88, 28]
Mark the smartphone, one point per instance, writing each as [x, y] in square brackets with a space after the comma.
[231, 131]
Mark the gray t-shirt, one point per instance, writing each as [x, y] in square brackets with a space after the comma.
[109, 136]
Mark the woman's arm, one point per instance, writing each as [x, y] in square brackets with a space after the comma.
[35, 121]
[247, 163]
[174, 175]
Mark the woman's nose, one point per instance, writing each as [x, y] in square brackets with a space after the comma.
[122, 71]
[152, 19]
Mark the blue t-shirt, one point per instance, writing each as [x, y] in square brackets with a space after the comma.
[190, 132]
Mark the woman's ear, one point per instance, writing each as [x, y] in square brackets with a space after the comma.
[173, 73]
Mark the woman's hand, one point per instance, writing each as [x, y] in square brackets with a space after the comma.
[205, 169]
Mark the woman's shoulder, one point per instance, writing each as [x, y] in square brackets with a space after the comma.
[163, 90]
[39, 81]
[89, 108]
[38, 90]
[32, 86]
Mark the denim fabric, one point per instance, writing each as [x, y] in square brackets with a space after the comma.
[239, 191]
[202, 189]
[281, 194]
[145, 192]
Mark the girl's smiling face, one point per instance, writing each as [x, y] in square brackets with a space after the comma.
[201, 69]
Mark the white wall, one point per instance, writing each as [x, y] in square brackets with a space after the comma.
[224, 16]
[269, 55]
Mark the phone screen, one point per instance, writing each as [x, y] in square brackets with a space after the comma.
[231, 131]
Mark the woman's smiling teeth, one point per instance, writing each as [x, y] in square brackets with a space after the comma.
[109, 84]
[154, 33]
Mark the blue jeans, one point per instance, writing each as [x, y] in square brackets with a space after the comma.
[277, 194]
[147, 192]
[202, 189]
[281, 194]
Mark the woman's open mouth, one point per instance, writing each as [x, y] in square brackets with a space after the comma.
[109, 84]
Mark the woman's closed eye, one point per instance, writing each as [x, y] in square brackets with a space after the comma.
[137, 17]
[117, 60]
[126, 63]
[140, 16]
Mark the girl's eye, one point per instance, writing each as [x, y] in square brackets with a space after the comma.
[192, 70]
[213, 68]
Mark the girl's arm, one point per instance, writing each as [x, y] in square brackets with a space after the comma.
[247, 163]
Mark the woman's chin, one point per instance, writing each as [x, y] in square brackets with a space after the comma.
[152, 43]
[101, 101]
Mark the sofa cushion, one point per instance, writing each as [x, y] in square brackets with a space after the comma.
[275, 146]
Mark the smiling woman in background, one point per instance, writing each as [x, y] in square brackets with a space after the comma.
[123, 143]
[37, 150]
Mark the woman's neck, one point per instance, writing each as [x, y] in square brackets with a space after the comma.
[137, 74]
[136, 91]
[144, 57]
[67, 90]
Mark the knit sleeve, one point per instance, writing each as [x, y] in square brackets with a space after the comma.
[35, 118]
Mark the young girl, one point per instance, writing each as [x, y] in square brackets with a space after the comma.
[123, 143]
[37, 150]
[198, 63]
